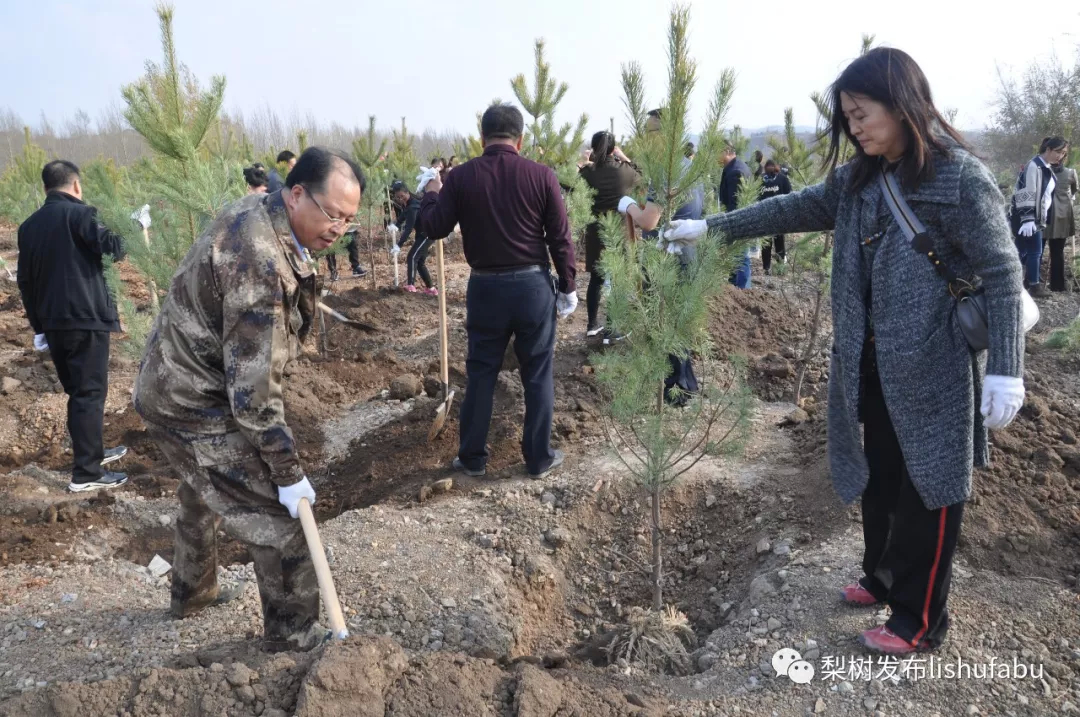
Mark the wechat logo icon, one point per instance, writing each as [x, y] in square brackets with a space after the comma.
[789, 662]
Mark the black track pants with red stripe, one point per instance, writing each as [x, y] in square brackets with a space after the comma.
[908, 549]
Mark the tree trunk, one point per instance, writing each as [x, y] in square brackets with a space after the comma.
[654, 495]
[815, 328]
[657, 557]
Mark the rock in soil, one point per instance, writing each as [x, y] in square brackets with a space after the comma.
[405, 387]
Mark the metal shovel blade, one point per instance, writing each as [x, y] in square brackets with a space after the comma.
[346, 320]
[440, 417]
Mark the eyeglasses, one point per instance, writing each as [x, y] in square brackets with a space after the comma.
[349, 223]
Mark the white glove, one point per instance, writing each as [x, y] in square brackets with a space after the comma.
[625, 203]
[393, 231]
[425, 176]
[290, 495]
[1027, 229]
[1001, 400]
[395, 250]
[142, 216]
[684, 229]
[565, 304]
[40, 344]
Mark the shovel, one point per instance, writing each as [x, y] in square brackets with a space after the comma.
[322, 570]
[393, 255]
[444, 364]
[346, 320]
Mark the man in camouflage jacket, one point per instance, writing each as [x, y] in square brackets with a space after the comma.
[210, 391]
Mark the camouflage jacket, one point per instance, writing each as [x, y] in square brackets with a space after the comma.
[239, 307]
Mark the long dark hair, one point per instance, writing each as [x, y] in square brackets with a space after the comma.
[891, 77]
[603, 144]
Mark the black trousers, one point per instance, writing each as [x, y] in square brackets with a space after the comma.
[416, 262]
[354, 256]
[909, 549]
[520, 304]
[777, 243]
[593, 293]
[1057, 264]
[82, 362]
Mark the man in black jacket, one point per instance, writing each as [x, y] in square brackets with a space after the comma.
[63, 289]
[735, 173]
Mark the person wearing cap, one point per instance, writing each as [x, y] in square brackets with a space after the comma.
[407, 209]
[512, 219]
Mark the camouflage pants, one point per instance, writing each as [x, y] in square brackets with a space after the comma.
[224, 484]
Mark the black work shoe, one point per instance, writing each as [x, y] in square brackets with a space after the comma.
[113, 454]
[1038, 291]
[302, 642]
[359, 272]
[555, 463]
[229, 592]
[333, 276]
[593, 330]
[226, 593]
[471, 472]
[106, 480]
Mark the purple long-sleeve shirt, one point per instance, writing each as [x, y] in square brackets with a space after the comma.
[511, 214]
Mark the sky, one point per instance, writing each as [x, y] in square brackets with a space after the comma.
[438, 63]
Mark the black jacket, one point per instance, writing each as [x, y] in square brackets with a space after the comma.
[774, 185]
[60, 271]
[735, 172]
[407, 218]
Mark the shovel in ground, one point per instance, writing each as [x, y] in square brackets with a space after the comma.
[444, 364]
[322, 570]
[346, 320]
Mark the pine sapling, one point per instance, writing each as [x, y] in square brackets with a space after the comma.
[661, 301]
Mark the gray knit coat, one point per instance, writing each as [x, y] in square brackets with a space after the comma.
[931, 379]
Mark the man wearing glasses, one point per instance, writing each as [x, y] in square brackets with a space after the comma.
[210, 391]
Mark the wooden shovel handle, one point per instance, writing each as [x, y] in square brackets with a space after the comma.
[444, 366]
[322, 570]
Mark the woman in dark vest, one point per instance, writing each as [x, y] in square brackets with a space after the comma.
[1061, 224]
[611, 176]
[900, 363]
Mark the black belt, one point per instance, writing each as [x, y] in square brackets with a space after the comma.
[531, 269]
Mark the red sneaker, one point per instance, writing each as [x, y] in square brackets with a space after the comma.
[856, 594]
[410, 288]
[431, 291]
[883, 640]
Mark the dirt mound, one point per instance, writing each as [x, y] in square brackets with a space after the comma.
[765, 328]
[363, 677]
[1024, 517]
[235, 691]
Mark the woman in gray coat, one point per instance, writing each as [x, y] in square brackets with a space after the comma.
[900, 364]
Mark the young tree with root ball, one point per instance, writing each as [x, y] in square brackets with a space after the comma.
[660, 298]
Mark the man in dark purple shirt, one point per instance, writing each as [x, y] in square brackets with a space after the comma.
[512, 218]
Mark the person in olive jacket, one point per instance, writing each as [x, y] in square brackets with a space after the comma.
[62, 283]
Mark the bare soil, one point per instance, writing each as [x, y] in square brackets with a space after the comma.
[493, 597]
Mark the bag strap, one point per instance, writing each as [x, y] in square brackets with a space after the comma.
[912, 228]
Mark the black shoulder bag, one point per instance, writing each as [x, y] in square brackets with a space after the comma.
[970, 299]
